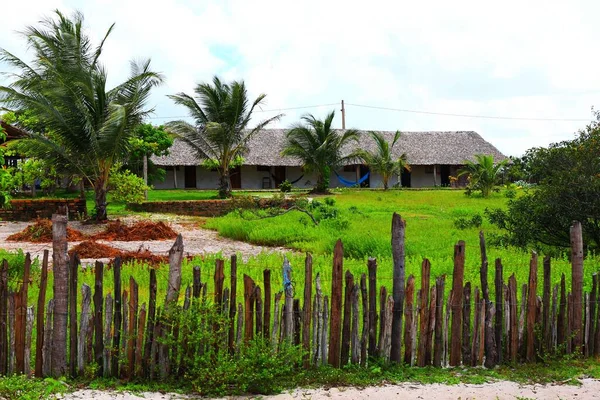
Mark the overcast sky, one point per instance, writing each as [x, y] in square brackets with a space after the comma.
[518, 59]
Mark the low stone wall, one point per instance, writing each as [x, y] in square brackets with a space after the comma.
[28, 210]
[206, 208]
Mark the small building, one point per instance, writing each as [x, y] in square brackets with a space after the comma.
[433, 156]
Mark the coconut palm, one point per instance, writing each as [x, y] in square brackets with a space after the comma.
[483, 174]
[87, 126]
[382, 161]
[220, 132]
[319, 147]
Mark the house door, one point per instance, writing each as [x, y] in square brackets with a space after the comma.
[405, 178]
[445, 172]
[189, 174]
[279, 175]
[235, 177]
[363, 171]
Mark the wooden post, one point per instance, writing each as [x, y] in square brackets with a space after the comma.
[325, 347]
[513, 341]
[597, 323]
[289, 300]
[4, 316]
[398, 254]
[11, 329]
[499, 285]
[140, 340]
[476, 337]
[387, 329]
[73, 270]
[372, 267]
[118, 315]
[424, 314]
[240, 325]
[248, 307]
[490, 340]
[456, 302]
[108, 315]
[431, 325]
[306, 310]
[98, 320]
[364, 342]
[562, 313]
[197, 283]
[267, 305]
[39, 342]
[21, 317]
[439, 316]
[152, 318]
[297, 319]
[47, 347]
[546, 325]
[466, 329]
[569, 324]
[345, 352]
[593, 317]
[355, 343]
[175, 258]
[133, 322]
[336, 305]
[275, 330]
[86, 299]
[577, 284]
[60, 272]
[219, 279]
[125, 333]
[233, 303]
[28, 331]
[382, 305]
[531, 307]
[554, 317]
[318, 321]
[409, 312]
[258, 311]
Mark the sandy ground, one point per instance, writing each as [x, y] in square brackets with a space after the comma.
[196, 240]
[589, 389]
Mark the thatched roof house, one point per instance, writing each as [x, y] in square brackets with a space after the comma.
[434, 157]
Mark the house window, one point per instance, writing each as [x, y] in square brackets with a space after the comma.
[429, 169]
[263, 168]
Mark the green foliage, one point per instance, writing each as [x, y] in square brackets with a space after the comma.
[24, 388]
[382, 160]
[84, 127]
[483, 174]
[16, 261]
[568, 190]
[148, 140]
[126, 187]
[285, 186]
[464, 223]
[222, 113]
[318, 146]
[211, 163]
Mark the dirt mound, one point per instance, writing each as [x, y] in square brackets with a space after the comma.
[41, 232]
[144, 255]
[142, 230]
[91, 249]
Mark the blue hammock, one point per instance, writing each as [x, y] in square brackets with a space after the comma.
[349, 183]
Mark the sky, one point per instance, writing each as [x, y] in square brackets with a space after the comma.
[512, 59]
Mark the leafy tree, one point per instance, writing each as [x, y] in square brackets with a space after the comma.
[148, 140]
[319, 147]
[126, 186]
[221, 113]
[86, 126]
[483, 174]
[382, 161]
[568, 190]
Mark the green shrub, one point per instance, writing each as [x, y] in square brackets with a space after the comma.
[464, 223]
[127, 187]
[285, 186]
[22, 387]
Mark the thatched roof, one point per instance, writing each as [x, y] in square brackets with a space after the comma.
[12, 132]
[421, 148]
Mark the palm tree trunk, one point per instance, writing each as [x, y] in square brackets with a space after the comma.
[224, 183]
[100, 191]
[386, 179]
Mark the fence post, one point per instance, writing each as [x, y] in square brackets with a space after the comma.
[398, 254]
[439, 317]
[345, 351]
[409, 313]
[4, 316]
[21, 318]
[28, 331]
[289, 300]
[593, 316]
[531, 308]
[108, 315]
[372, 267]
[73, 270]
[118, 315]
[152, 318]
[86, 297]
[248, 308]
[233, 303]
[267, 305]
[456, 301]
[336, 305]
[133, 322]
[355, 343]
[499, 287]
[364, 342]
[47, 347]
[577, 284]
[60, 272]
[306, 310]
[546, 324]
[39, 342]
[424, 314]
[175, 258]
[513, 340]
[466, 329]
[98, 320]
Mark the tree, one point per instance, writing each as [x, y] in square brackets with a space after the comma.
[568, 176]
[220, 132]
[319, 147]
[483, 174]
[148, 140]
[86, 126]
[382, 161]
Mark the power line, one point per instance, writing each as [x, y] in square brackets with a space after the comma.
[470, 115]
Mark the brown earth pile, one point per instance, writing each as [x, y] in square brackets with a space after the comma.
[91, 249]
[141, 230]
[41, 232]
[143, 255]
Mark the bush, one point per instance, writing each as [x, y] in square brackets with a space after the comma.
[464, 223]
[285, 186]
[127, 187]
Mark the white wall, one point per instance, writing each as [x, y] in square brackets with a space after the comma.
[252, 178]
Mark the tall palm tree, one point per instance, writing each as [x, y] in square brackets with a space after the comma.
[483, 174]
[382, 161]
[220, 132]
[87, 126]
[319, 147]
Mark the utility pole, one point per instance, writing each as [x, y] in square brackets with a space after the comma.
[343, 116]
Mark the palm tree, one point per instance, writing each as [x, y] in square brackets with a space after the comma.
[220, 133]
[381, 161]
[87, 126]
[483, 173]
[319, 147]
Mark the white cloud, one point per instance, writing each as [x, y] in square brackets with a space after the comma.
[513, 58]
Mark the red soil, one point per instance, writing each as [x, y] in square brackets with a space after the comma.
[41, 232]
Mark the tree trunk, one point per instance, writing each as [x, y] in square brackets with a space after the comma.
[60, 267]
[100, 191]
[145, 173]
[386, 179]
[224, 183]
